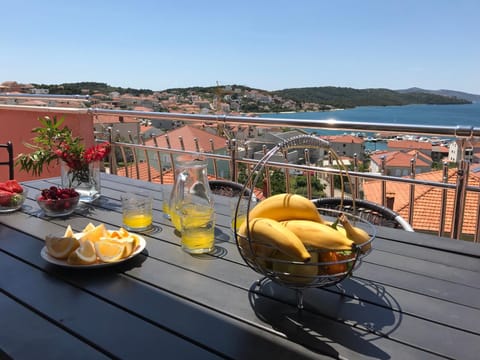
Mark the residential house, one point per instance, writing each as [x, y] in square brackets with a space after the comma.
[346, 145]
[186, 138]
[122, 128]
[471, 151]
[406, 145]
[440, 153]
[270, 139]
[399, 163]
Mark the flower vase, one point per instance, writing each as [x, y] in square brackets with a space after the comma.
[84, 179]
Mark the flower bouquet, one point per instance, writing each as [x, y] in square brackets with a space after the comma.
[80, 166]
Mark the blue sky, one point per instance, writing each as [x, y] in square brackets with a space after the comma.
[266, 44]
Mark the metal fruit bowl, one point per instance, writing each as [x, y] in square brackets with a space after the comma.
[326, 268]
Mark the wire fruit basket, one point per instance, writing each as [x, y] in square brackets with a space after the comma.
[325, 266]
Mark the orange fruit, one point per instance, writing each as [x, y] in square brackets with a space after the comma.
[68, 232]
[109, 251]
[94, 234]
[332, 269]
[60, 247]
[128, 243]
[89, 227]
[86, 252]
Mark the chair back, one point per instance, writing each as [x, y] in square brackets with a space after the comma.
[370, 211]
[9, 162]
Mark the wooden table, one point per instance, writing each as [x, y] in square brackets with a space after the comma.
[415, 297]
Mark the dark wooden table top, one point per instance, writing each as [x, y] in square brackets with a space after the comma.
[415, 296]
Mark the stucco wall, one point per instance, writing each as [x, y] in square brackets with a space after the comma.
[16, 126]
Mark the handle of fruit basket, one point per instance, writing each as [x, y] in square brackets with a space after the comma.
[303, 142]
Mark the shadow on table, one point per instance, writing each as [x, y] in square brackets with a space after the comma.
[352, 318]
[224, 235]
[103, 271]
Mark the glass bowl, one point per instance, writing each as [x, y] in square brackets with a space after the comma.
[58, 207]
[12, 202]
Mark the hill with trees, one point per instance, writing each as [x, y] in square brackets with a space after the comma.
[451, 93]
[89, 88]
[342, 97]
[338, 97]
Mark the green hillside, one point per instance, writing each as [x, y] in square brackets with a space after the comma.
[342, 97]
[339, 97]
[88, 88]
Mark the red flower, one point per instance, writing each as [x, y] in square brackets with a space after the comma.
[76, 157]
[96, 153]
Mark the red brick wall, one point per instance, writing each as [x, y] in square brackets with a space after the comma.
[16, 126]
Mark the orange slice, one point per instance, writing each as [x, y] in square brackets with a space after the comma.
[68, 232]
[94, 234]
[128, 243]
[109, 251]
[60, 247]
[86, 252]
[88, 228]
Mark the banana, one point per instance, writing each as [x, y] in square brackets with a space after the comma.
[295, 273]
[319, 236]
[267, 235]
[357, 235]
[286, 207]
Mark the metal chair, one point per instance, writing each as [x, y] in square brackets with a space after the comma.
[370, 211]
[9, 163]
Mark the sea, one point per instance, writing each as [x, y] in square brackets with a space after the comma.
[432, 115]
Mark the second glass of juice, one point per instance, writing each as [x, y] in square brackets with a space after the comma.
[137, 211]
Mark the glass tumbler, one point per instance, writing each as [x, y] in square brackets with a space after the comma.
[197, 228]
[137, 211]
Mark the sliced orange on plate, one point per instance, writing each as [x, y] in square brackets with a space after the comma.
[60, 247]
[109, 251]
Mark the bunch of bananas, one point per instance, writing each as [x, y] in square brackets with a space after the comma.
[288, 238]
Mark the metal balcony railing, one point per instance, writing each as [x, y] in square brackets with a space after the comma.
[130, 154]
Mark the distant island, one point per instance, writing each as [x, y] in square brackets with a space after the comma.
[444, 92]
[243, 99]
[341, 97]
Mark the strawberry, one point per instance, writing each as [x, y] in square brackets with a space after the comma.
[5, 187]
[14, 186]
[5, 197]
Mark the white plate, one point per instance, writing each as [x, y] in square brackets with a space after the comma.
[46, 256]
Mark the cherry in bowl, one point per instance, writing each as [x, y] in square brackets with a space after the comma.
[56, 201]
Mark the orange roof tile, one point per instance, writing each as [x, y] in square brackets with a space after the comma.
[168, 177]
[344, 139]
[427, 201]
[142, 108]
[397, 159]
[35, 103]
[111, 119]
[188, 134]
[409, 144]
[440, 148]
[142, 173]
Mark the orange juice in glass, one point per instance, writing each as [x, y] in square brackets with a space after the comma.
[166, 194]
[197, 228]
[137, 211]
[175, 218]
[137, 221]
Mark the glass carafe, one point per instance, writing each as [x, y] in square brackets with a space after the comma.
[191, 192]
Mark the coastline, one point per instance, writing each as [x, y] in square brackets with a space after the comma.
[425, 114]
